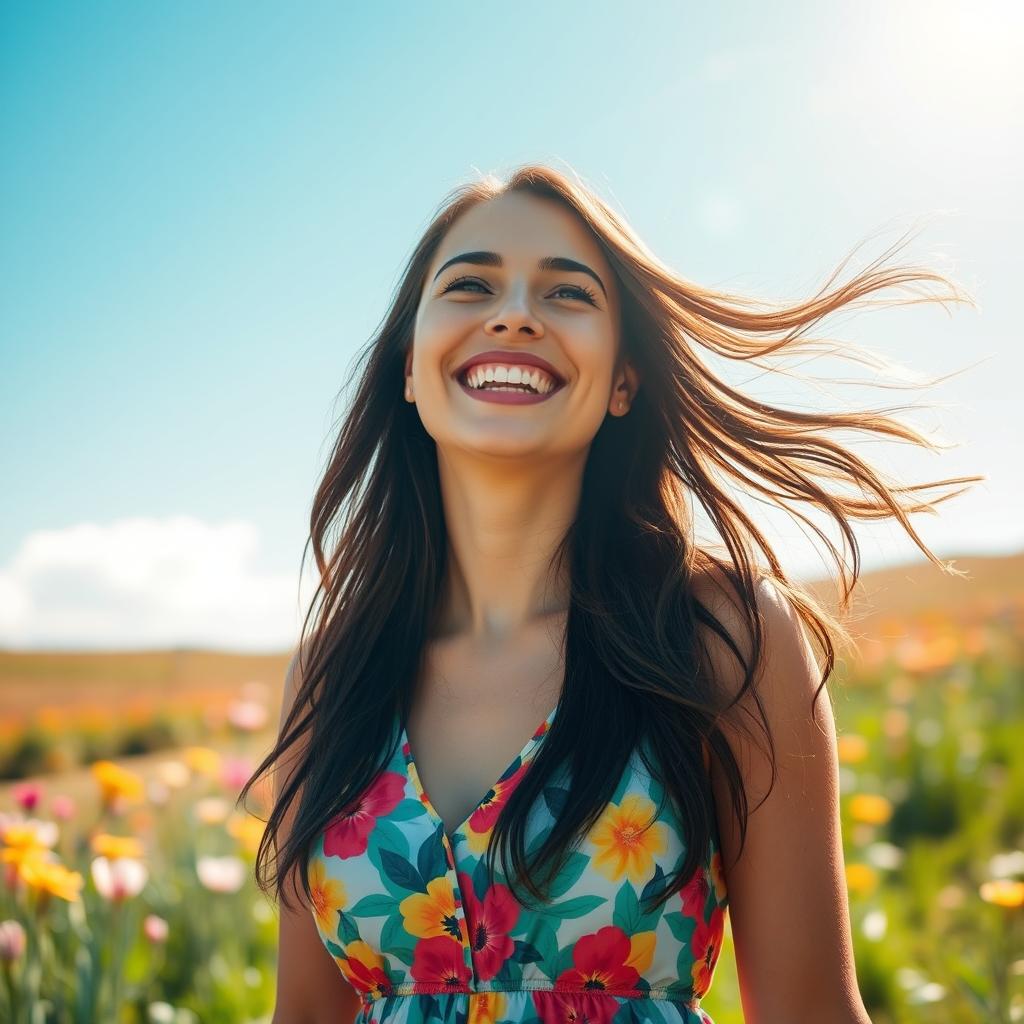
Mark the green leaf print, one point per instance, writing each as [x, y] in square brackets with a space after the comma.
[400, 872]
[407, 810]
[575, 865]
[347, 929]
[546, 941]
[578, 907]
[396, 941]
[375, 905]
[682, 927]
[525, 953]
[627, 910]
[431, 859]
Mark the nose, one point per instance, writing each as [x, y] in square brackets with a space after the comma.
[514, 317]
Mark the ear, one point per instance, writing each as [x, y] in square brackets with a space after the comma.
[626, 383]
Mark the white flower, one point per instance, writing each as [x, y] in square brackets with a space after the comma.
[120, 878]
[221, 874]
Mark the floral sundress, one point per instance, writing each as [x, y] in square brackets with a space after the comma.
[406, 912]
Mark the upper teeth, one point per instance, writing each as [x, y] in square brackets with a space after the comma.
[531, 375]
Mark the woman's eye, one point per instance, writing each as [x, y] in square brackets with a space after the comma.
[462, 281]
[574, 291]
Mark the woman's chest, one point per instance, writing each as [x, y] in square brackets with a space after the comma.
[472, 715]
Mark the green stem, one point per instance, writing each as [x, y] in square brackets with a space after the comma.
[12, 990]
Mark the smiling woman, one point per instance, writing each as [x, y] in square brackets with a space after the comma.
[521, 654]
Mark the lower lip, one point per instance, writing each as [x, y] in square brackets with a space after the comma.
[508, 397]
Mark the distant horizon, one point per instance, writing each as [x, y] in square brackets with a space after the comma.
[206, 648]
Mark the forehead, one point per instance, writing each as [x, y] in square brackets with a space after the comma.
[523, 228]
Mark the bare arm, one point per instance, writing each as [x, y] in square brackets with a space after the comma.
[788, 902]
[310, 987]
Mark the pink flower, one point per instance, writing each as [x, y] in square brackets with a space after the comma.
[27, 794]
[235, 772]
[247, 715]
[12, 940]
[155, 928]
[62, 807]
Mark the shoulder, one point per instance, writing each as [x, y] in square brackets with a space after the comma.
[788, 672]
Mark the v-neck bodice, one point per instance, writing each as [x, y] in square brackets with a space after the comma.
[406, 911]
[489, 804]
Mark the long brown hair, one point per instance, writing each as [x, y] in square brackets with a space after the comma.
[636, 662]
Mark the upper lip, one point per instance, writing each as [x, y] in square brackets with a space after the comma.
[511, 359]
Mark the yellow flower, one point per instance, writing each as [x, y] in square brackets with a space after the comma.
[432, 913]
[487, 1007]
[115, 781]
[870, 809]
[24, 839]
[641, 951]
[852, 748]
[247, 829]
[49, 877]
[627, 840]
[329, 896]
[202, 760]
[1004, 892]
[113, 847]
[860, 878]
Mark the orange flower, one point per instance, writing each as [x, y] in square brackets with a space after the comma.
[870, 809]
[329, 896]
[1004, 892]
[852, 748]
[627, 840]
[860, 878]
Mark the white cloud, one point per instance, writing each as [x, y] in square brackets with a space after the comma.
[140, 582]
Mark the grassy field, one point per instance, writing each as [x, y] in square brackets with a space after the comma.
[152, 747]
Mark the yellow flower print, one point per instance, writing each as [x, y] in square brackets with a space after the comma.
[329, 897]
[432, 913]
[487, 1007]
[641, 951]
[625, 843]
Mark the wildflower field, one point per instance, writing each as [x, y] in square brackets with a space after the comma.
[128, 893]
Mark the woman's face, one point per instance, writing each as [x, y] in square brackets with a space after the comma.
[509, 302]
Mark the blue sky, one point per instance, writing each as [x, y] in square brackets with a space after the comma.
[205, 209]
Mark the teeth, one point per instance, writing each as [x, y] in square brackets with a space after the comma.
[531, 377]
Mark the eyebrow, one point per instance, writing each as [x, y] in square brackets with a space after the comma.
[493, 259]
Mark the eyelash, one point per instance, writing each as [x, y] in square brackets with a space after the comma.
[582, 293]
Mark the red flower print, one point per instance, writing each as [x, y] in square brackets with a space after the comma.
[348, 834]
[706, 944]
[489, 921]
[364, 969]
[438, 960]
[574, 1007]
[486, 813]
[601, 962]
[694, 895]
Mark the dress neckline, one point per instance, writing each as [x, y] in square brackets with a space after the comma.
[527, 751]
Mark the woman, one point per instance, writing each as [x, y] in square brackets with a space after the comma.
[517, 471]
